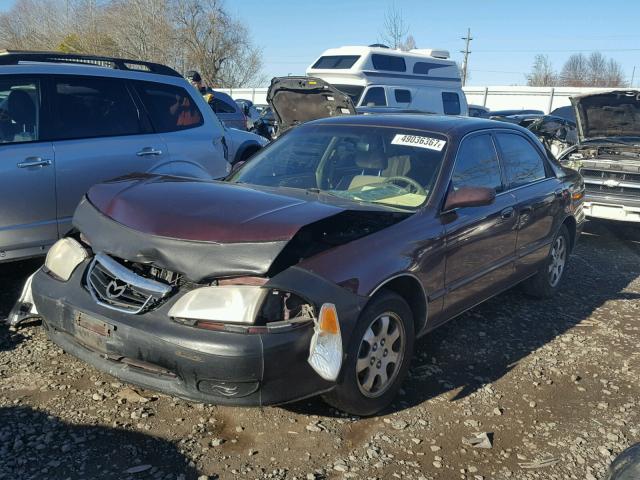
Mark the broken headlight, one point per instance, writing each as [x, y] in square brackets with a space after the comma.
[223, 303]
[64, 257]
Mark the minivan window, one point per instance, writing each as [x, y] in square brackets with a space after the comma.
[523, 164]
[375, 97]
[477, 164]
[336, 61]
[403, 96]
[19, 110]
[388, 62]
[171, 108]
[451, 103]
[85, 107]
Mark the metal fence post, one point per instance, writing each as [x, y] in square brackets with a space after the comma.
[553, 91]
[484, 100]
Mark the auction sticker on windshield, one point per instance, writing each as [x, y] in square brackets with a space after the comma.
[417, 141]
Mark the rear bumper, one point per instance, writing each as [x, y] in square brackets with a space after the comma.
[154, 352]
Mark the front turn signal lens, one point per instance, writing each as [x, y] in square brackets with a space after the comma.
[328, 319]
[325, 350]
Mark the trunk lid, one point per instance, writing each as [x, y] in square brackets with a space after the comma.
[296, 100]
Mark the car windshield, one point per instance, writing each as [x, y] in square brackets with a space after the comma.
[378, 165]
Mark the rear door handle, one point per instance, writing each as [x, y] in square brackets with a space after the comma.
[34, 162]
[146, 151]
[507, 213]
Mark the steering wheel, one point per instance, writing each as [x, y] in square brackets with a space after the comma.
[409, 181]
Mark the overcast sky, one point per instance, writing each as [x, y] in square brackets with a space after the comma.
[506, 33]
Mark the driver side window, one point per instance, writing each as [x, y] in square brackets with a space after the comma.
[477, 164]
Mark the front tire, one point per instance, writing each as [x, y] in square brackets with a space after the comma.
[546, 282]
[378, 357]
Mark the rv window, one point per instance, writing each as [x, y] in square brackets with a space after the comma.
[451, 103]
[423, 67]
[375, 98]
[403, 96]
[336, 61]
[388, 62]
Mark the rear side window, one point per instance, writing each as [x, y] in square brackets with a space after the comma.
[336, 61]
[19, 110]
[220, 106]
[388, 62]
[477, 164]
[523, 164]
[403, 96]
[375, 97]
[85, 107]
[451, 103]
[171, 108]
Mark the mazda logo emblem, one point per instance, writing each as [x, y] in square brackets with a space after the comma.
[611, 183]
[114, 289]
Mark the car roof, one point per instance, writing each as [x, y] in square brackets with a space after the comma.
[44, 68]
[447, 124]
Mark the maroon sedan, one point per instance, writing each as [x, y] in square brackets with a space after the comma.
[315, 267]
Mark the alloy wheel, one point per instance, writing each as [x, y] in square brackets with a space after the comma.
[380, 354]
[558, 260]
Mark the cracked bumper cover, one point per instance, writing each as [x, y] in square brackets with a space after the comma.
[152, 351]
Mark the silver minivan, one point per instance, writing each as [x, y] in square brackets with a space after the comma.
[70, 121]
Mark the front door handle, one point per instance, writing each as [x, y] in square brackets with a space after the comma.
[146, 151]
[507, 213]
[34, 162]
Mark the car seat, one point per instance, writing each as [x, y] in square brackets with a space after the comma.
[22, 111]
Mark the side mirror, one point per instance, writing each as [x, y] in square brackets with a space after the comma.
[469, 197]
[245, 109]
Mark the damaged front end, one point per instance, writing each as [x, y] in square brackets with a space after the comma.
[212, 317]
[611, 175]
[608, 153]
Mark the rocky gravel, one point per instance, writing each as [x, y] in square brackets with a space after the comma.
[513, 389]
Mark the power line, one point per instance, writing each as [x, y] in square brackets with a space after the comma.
[466, 53]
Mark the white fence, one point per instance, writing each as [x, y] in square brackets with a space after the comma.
[495, 98]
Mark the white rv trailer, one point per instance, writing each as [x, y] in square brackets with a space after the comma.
[377, 76]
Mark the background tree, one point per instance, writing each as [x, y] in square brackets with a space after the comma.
[394, 28]
[596, 70]
[542, 73]
[184, 34]
[409, 43]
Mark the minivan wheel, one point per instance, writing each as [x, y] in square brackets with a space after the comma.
[378, 357]
[546, 282]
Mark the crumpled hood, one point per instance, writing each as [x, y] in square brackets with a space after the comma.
[608, 114]
[206, 211]
[206, 229]
[296, 100]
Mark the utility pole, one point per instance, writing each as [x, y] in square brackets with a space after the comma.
[633, 74]
[466, 53]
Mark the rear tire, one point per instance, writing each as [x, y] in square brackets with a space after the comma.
[547, 281]
[378, 357]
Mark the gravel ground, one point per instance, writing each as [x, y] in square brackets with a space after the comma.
[553, 383]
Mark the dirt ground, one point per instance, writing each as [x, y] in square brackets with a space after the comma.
[554, 383]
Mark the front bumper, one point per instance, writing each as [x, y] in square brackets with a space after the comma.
[611, 209]
[154, 352]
